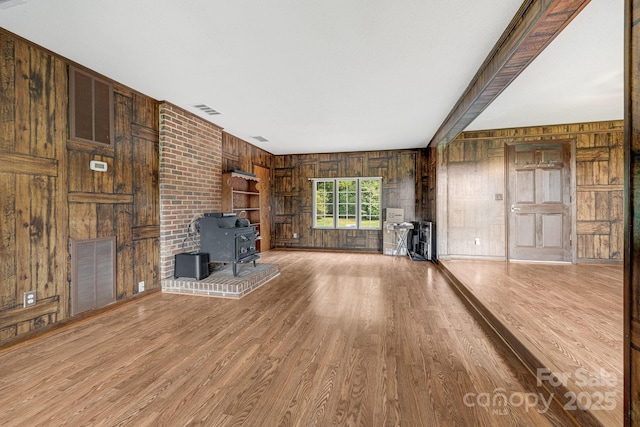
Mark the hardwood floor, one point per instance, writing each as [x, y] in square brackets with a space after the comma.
[567, 318]
[336, 339]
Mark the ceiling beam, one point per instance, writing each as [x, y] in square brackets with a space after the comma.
[535, 25]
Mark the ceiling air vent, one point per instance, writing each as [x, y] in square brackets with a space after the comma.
[260, 138]
[210, 111]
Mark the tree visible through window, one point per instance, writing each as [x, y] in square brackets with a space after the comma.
[347, 201]
[369, 203]
[324, 204]
[352, 203]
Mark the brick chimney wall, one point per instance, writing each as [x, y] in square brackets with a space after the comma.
[190, 179]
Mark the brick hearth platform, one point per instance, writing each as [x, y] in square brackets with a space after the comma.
[222, 283]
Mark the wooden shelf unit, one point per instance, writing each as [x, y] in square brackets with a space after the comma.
[241, 195]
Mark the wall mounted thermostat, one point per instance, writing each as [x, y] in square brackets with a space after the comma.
[96, 165]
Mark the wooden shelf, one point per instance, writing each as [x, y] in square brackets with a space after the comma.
[242, 176]
[241, 192]
[253, 193]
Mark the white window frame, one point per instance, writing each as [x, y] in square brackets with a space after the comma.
[336, 203]
[379, 226]
[315, 211]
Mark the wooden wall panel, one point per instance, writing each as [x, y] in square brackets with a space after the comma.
[632, 216]
[83, 221]
[146, 205]
[238, 154]
[8, 247]
[48, 194]
[122, 167]
[401, 171]
[32, 230]
[7, 93]
[599, 189]
[473, 164]
[146, 259]
[125, 267]
[124, 198]
[22, 99]
[475, 176]
[426, 189]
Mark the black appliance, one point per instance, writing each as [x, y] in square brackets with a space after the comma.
[422, 241]
[191, 264]
[228, 239]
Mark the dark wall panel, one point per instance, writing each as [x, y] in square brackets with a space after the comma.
[238, 154]
[402, 177]
[33, 99]
[49, 195]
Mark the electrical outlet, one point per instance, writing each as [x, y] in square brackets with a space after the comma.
[29, 298]
[295, 235]
[141, 286]
[477, 241]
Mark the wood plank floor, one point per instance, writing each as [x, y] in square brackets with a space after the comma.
[570, 317]
[336, 339]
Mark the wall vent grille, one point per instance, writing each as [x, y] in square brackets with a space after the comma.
[93, 273]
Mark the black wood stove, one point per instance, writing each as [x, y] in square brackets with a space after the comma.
[228, 239]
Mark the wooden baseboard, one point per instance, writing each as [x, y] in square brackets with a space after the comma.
[63, 324]
[311, 249]
[472, 257]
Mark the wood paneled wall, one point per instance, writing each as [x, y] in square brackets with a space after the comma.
[632, 216]
[427, 189]
[402, 183]
[471, 173]
[471, 170]
[600, 194]
[48, 194]
[33, 102]
[238, 154]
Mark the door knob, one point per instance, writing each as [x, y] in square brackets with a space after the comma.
[513, 208]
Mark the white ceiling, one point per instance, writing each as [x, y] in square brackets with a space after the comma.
[577, 78]
[332, 75]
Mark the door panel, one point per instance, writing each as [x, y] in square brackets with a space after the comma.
[525, 186]
[265, 206]
[526, 230]
[552, 231]
[539, 200]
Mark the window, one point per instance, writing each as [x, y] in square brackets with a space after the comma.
[90, 107]
[324, 204]
[347, 201]
[352, 203]
[370, 203]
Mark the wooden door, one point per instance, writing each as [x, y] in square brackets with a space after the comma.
[539, 204]
[265, 206]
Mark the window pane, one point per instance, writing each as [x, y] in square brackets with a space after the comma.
[324, 204]
[347, 199]
[370, 203]
[356, 203]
